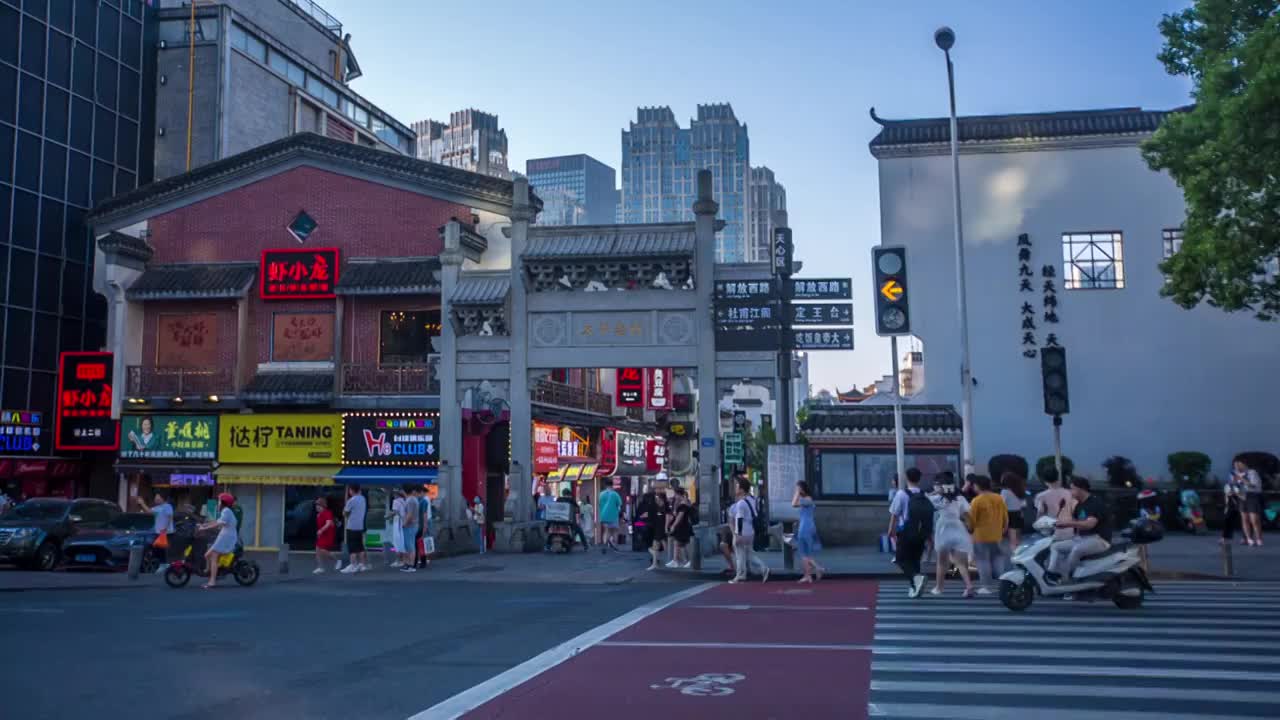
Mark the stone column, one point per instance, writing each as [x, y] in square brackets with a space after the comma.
[450, 410]
[704, 210]
[522, 213]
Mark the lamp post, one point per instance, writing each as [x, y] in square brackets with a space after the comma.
[945, 38]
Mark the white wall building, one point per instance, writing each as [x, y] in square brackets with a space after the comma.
[1146, 377]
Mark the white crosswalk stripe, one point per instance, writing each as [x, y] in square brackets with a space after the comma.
[1202, 650]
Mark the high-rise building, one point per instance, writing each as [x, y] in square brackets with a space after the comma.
[75, 128]
[575, 190]
[768, 210]
[660, 160]
[262, 70]
[471, 141]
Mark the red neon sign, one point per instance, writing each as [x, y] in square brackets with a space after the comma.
[298, 274]
[82, 420]
[630, 387]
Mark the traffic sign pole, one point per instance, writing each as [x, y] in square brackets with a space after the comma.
[898, 440]
[783, 253]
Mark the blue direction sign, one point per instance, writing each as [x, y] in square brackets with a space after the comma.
[822, 314]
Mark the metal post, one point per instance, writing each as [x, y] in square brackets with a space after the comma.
[1228, 565]
[1057, 448]
[966, 371]
[898, 450]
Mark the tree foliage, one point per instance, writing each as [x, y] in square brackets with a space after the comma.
[1224, 152]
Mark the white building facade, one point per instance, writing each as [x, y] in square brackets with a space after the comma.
[1065, 202]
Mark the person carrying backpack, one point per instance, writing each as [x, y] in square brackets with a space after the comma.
[745, 518]
[913, 512]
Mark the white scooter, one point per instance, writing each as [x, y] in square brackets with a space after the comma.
[1115, 574]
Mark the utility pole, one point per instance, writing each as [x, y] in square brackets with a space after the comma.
[898, 450]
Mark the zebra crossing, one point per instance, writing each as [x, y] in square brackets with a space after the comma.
[1194, 650]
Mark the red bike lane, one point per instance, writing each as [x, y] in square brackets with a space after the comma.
[751, 650]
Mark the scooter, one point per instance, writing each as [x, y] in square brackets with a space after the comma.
[244, 570]
[1189, 511]
[1115, 574]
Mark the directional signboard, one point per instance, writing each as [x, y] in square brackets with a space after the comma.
[821, 289]
[740, 290]
[748, 315]
[734, 450]
[822, 314]
[833, 339]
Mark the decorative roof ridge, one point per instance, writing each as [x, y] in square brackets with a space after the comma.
[562, 230]
[127, 245]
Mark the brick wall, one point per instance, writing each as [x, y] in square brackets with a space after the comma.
[363, 314]
[225, 310]
[362, 218]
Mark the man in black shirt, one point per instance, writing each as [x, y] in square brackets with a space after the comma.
[1092, 523]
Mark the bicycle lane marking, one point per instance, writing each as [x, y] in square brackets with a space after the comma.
[778, 651]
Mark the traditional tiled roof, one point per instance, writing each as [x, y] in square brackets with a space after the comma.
[482, 290]
[126, 245]
[194, 282]
[878, 419]
[417, 276]
[289, 387]
[400, 167]
[1028, 126]
[610, 241]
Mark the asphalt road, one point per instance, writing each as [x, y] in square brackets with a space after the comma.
[342, 647]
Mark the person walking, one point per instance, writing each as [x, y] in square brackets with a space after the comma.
[806, 538]
[990, 521]
[353, 514]
[395, 528]
[587, 516]
[1233, 495]
[476, 516]
[422, 504]
[654, 510]
[409, 514]
[680, 528]
[1013, 490]
[610, 510]
[1055, 501]
[911, 516]
[742, 515]
[1249, 478]
[227, 538]
[951, 539]
[326, 537]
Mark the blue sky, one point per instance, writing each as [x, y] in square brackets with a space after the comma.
[566, 76]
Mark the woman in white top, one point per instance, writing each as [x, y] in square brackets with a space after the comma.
[1251, 481]
[227, 538]
[951, 536]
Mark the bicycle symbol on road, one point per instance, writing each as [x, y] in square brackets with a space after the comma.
[704, 685]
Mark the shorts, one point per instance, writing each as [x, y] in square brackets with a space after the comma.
[355, 541]
[328, 544]
[410, 538]
[1016, 520]
[1253, 503]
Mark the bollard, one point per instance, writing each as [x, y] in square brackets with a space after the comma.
[284, 559]
[695, 552]
[135, 561]
[788, 550]
[1228, 566]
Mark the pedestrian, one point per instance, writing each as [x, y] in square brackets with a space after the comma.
[724, 540]
[424, 526]
[1233, 495]
[1092, 523]
[806, 538]
[588, 516]
[163, 526]
[990, 520]
[743, 515]
[575, 513]
[410, 511]
[1249, 478]
[951, 539]
[354, 514]
[653, 509]
[610, 508]
[395, 528]
[1013, 490]
[543, 501]
[326, 537]
[912, 515]
[227, 538]
[476, 515]
[1055, 501]
[680, 528]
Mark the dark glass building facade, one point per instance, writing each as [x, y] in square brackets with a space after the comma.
[75, 95]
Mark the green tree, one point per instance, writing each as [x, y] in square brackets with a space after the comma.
[1224, 152]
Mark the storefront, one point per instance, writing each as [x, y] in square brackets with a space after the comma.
[277, 465]
[173, 454]
[563, 459]
[23, 472]
[382, 451]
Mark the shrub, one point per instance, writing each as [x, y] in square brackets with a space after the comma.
[1267, 465]
[1000, 464]
[1189, 468]
[1121, 472]
[1046, 471]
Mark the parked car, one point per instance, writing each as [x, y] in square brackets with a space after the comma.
[109, 547]
[32, 534]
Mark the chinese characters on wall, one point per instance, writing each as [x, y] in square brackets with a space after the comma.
[1026, 291]
[186, 341]
[1048, 273]
[298, 274]
[302, 337]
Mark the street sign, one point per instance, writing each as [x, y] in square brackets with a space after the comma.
[821, 289]
[834, 339]
[747, 339]
[892, 299]
[822, 314]
[734, 450]
[748, 315]
[782, 251]
[735, 290]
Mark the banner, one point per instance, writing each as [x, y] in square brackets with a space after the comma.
[169, 437]
[284, 439]
[632, 458]
[391, 439]
[546, 447]
[658, 381]
[82, 418]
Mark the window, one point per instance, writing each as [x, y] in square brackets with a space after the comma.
[8, 34]
[302, 337]
[17, 348]
[22, 277]
[1093, 261]
[8, 92]
[51, 235]
[405, 336]
[278, 62]
[33, 35]
[27, 171]
[55, 114]
[1172, 241]
[44, 355]
[108, 81]
[127, 144]
[59, 59]
[31, 105]
[868, 474]
[109, 31]
[256, 49]
[129, 93]
[104, 135]
[82, 70]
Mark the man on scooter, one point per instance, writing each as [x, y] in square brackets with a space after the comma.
[1092, 524]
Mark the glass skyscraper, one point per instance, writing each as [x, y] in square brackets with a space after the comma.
[75, 128]
[660, 161]
[575, 190]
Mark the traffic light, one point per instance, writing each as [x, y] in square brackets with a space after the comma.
[1053, 371]
[889, 267]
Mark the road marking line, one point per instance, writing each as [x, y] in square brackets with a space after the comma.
[1136, 627]
[978, 712]
[732, 646]
[1110, 671]
[1108, 691]
[469, 700]
[942, 637]
[40, 610]
[1091, 654]
[211, 615]
[1129, 618]
[777, 607]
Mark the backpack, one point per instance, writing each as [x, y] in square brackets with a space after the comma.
[758, 524]
[919, 522]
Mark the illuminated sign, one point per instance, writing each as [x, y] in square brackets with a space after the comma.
[406, 439]
[630, 387]
[658, 381]
[279, 439]
[20, 431]
[169, 437]
[83, 418]
[298, 274]
[546, 447]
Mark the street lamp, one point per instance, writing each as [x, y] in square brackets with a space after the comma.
[945, 38]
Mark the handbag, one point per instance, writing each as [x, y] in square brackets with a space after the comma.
[162, 542]
[428, 545]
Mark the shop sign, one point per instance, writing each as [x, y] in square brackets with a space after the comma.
[20, 431]
[298, 274]
[678, 429]
[546, 447]
[190, 479]
[283, 439]
[658, 381]
[391, 439]
[573, 445]
[83, 417]
[169, 437]
[630, 387]
[632, 459]
[655, 453]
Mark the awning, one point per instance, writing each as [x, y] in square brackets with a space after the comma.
[386, 475]
[572, 473]
[170, 473]
[589, 471]
[277, 474]
[554, 475]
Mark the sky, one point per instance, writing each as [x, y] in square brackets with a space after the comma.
[566, 76]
